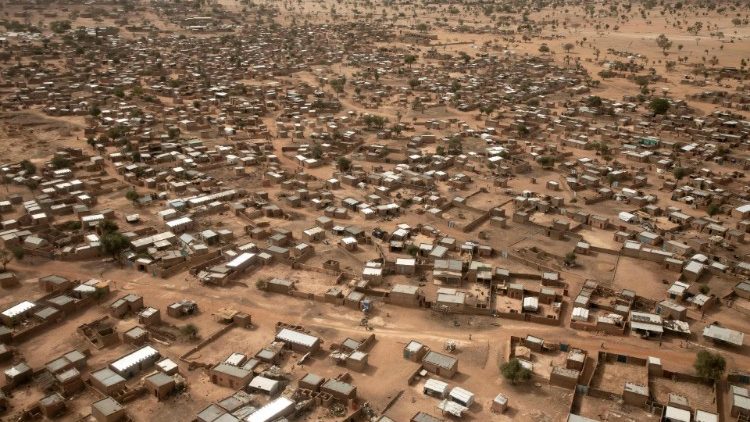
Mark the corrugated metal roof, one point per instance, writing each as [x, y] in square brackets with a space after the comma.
[462, 395]
[435, 385]
[271, 411]
[126, 362]
[19, 309]
[296, 337]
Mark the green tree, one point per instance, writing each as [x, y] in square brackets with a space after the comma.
[60, 162]
[18, 252]
[663, 42]
[679, 172]
[594, 101]
[570, 258]
[190, 331]
[132, 195]
[28, 167]
[709, 365]
[546, 161]
[410, 59]
[108, 226]
[713, 209]
[316, 152]
[59, 27]
[412, 250]
[514, 372]
[5, 257]
[343, 163]
[455, 146]
[659, 105]
[113, 243]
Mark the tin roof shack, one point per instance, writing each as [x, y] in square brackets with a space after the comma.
[8, 279]
[274, 410]
[311, 382]
[52, 405]
[461, 396]
[182, 308]
[108, 410]
[18, 374]
[739, 401]
[724, 336]
[17, 313]
[340, 390]
[675, 414]
[435, 388]
[130, 303]
[149, 316]
[107, 381]
[564, 377]
[265, 385]
[424, 417]
[135, 362]
[69, 382]
[298, 341]
[160, 385]
[230, 376]
[440, 364]
[405, 295]
[415, 351]
[499, 404]
[634, 394]
[54, 283]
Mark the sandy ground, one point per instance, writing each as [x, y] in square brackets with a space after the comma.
[31, 134]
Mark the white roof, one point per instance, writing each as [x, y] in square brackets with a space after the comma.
[451, 407]
[436, 385]
[462, 395]
[372, 271]
[625, 216]
[677, 415]
[167, 365]
[580, 313]
[18, 309]
[724, 334]
[703, 416]
[271, 411]
[296, 337]
[264, 384]
[125, 362]
[500, 399]
[240, 259]
[179, 222]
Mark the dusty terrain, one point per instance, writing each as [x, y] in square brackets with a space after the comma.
[590, 37]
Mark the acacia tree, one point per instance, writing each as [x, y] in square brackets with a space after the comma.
[709, 365]
[5, 257]
[514, 372]
[113, 243]
[663, 42]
